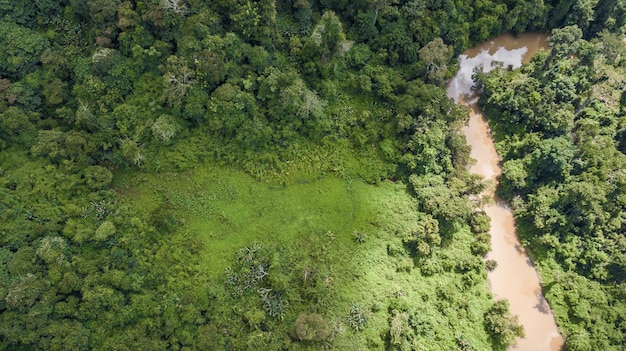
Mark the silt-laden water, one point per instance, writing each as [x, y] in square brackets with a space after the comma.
[515, 278]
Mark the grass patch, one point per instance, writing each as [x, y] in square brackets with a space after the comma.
[229, 209]
[346, 232]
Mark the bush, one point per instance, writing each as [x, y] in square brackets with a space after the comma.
[358, 317]
[491, 265]
[503, 327]
[104, 231]
[97, 177]
[311, 327]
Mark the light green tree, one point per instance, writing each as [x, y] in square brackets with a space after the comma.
[327, 35]
[435, 55]
[503, 327]
[164, 128]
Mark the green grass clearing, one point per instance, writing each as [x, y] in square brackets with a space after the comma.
[315, 221]
[229, 209]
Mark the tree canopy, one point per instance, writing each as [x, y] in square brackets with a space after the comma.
[234, 175]
[562, 171]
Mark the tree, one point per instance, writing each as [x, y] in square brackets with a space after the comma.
[104, 231]
[104, 59]
[581, 14]
[435, 54]
[400, 331]
[165, 128]
[24, 292]
[22, 49]
[97, 177]
[22, 12]
[233, 113]
[611, 46]
[130, 153]
[53, 250]
[49, 143]
[255, 20]
[527, 16]
[101, 15]
[559, 12]
[127, 17]
[54, 91]
[551, 159]
[68, 334]
[514, 175]
[177, 79]
[176, 6]
[565, 41]
[439, 200]
[327, 36]
[300, 102]
[424, 235]
[503, 328]
[15, 126]
[603, 11]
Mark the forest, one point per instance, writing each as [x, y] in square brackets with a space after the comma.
[563, 164]
[290, 175]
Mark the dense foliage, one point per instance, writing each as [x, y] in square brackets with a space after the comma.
[559, 123]
[128, 128]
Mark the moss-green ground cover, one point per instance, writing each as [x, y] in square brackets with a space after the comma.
[229, 209]
[346, 232]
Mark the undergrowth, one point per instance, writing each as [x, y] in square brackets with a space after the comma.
[308, 230]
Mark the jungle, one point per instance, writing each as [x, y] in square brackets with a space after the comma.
[290, 174]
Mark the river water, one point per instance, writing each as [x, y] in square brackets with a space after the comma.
[515, 277]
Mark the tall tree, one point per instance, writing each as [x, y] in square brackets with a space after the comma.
[603, 11]
[22, 49]
[327, 36]
[435, 55]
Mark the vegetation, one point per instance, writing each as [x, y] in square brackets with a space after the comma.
[273, 175]
[559, 124]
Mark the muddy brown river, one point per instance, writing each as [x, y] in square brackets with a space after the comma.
[515, 277]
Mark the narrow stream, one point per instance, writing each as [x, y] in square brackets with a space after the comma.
[515, 278]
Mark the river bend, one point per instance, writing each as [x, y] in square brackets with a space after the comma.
[515, 277]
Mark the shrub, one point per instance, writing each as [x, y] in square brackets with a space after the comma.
[311, 327]
[503, 327]
[491, 265]
[358, 318]
[97, 177]
[104, 231]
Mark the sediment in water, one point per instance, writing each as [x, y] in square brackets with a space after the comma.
[515, 277]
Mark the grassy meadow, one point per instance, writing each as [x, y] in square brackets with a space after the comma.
[347, 234]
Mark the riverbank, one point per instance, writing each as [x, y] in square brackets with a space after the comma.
[515, 278]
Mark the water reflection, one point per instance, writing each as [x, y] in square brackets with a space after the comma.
[505, 50]
[462, 82]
